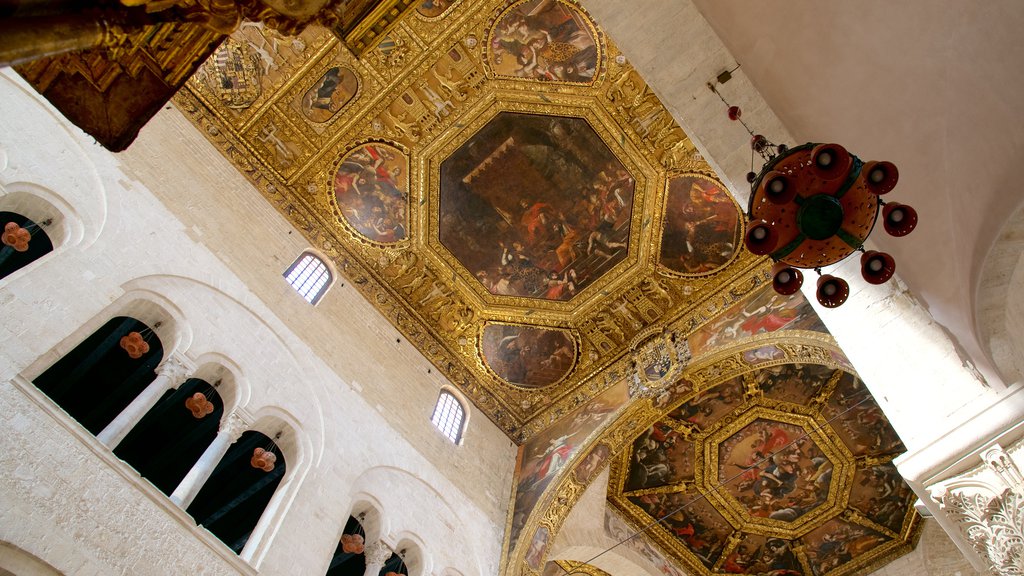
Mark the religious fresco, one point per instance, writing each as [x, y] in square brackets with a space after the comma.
[617, 529]
[592, 463]
[527, 356]
[535, 206]
[547, 40]
[661, 457]
[740, 481]
[371, 191]
[763, 312]
[538, 547]
[546, 454]
[703, 225]
[837, 543]
[708, 406]
[795, 383]
[774, 470]
[858, 419]
[880, 495]
[691, 519]
[329, 94]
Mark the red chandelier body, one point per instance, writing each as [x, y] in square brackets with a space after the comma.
[814, 205]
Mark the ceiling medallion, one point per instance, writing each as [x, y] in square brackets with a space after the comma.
[659, 357]
[813, 206]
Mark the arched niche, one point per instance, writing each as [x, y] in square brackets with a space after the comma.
[24, 241]
[42, 204]
[237, 493]
[173, 435]
[98, 378]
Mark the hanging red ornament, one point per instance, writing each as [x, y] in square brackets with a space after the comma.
[735, 113]
[16, 237]
[199, 405]
[134, 345]
[352, 543]
[263, 459]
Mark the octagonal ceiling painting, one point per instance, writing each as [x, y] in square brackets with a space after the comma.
[786, 469]
[535, 206]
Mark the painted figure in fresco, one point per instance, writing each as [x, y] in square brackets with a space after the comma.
[701, 231]
[544, 40]
[334, 90]
[536, 206]
[369, 188]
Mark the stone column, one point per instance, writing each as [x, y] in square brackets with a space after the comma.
[231, 429]
[376, 555]
[170, 374]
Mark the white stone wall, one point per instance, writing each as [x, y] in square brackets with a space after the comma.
[170, 231]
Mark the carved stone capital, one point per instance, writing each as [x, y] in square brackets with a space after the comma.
[233, 425]
[994, 526]
[377, 553]
[176, 369]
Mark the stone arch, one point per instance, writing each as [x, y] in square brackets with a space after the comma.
[411, 549]
[235, 390]
[40, 204]
[149, 308]
[999, 302]
[392, 489]
[285, 430]
[258, 327]
[14, 560]
[83, 188]
[368, 510]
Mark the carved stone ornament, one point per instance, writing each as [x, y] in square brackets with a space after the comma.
[997, 460]
[175, 369]
[993, 526]
[377, 553]
[234, 426]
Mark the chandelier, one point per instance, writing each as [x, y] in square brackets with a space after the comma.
[814, 205]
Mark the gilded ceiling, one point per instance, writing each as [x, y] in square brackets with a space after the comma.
[497, 180]
[786, 468]
[502, 185]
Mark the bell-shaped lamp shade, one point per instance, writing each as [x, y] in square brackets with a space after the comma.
[832, 291]
[880, 177]
[786, 280]
[877, 267]
[761, 238]
[899, 219]
[831, 161]
[778, 188]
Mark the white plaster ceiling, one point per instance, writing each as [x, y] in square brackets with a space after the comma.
[935, 86]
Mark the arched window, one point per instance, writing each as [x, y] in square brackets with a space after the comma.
[310, 277]
[449, 415]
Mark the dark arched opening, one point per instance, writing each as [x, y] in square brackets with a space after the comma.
[98, 379]
[23, 243]
[169, 440]
[349, 558]
[236, 494]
